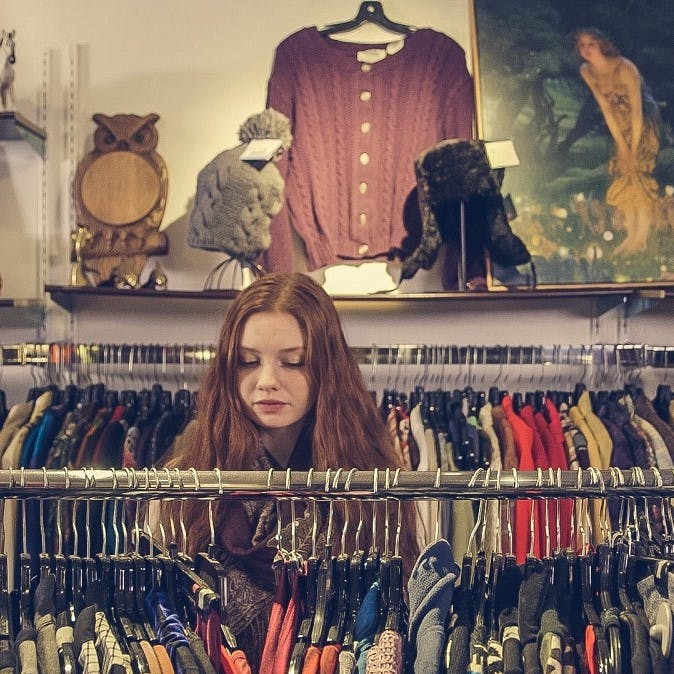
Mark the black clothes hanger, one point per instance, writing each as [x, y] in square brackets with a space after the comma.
[662, 400]
[306, 620]
[395, 616]
[340, 615]
[356, 592]
[325, 597]
[5, 632]
[130, 630]
[368, 12]
[588, 576]
[517, 401]
[213, 573]
[578, 390]
[3, 408]
[609, 613]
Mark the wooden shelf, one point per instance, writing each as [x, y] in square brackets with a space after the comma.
[20, 313]
[603, 296]
[14, 126]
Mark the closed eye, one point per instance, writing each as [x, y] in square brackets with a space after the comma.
[248, 363]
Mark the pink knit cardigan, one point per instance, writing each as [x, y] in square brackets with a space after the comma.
[357, 129]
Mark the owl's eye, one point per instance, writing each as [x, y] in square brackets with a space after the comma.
[139, 136]
[109, 138]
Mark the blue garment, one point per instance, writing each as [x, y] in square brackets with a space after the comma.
[365, 626]
[28, 446]
[46, 432]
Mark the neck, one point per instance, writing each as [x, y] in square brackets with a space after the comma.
[601, 64]
[280, 442]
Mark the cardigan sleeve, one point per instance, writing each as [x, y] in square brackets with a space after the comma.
[281, 96]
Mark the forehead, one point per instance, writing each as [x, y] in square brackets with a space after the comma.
[272, 330]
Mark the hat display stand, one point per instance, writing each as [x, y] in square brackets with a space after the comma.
[233, 273]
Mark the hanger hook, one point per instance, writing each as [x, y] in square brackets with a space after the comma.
[314, 506]
[396, 548]
[328, 535]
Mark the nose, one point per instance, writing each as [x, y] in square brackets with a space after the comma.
[267, 378]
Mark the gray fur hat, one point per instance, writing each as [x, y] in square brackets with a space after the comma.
[452, 171]
[235, 199]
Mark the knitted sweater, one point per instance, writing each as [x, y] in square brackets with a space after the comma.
[357, 128]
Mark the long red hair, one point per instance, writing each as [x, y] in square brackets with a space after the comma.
[347, 428]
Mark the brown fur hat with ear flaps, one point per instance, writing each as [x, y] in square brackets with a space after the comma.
[235, 199]
[450, 172]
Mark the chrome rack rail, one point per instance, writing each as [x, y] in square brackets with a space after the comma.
[335, 483]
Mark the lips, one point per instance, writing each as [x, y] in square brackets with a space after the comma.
[269, 406]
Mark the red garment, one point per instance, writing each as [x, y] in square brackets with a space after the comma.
[555, 426]
[275, 619]
[228, 664]
[291, 619]
[312, 660]
[330, 659]
[241, 662]
[541, 461]
[557, 458]
[591, 650]
[210, 633]
[524, 510]
[409, 100]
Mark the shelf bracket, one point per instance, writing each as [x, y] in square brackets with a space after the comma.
[641, 301]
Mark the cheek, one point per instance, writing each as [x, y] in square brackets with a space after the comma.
[244, 385]
[304, 388]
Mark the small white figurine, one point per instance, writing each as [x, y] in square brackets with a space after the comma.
[7, 60]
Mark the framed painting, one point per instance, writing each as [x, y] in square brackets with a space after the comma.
[585, 91]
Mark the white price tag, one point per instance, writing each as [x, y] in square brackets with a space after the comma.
[261, 149]
[501, 153]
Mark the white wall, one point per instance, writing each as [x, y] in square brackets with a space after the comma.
[203, 67]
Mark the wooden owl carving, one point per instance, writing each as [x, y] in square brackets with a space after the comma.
[120, 191]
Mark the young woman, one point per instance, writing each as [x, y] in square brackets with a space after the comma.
[283, 391]
[632, 119]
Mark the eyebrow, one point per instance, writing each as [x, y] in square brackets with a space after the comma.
[290, 349]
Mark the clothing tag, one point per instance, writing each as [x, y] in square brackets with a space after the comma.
[373, 55]
[260, 149]
[501, 153]
[394, 47]
[377, 54]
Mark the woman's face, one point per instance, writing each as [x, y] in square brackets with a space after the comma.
[273, 378]
[588, 47]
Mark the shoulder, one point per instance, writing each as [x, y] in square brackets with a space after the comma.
[298, 39]
[585, 73]
[626, 65]
[434, 40]
[626, 70]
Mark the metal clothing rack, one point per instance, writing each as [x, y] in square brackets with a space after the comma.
[65, 355]
[342, 484]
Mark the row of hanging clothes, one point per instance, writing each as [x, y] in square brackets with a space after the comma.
[610, 421]
[106, 405]
[583, 607]
[453, 519]
[94, 405]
